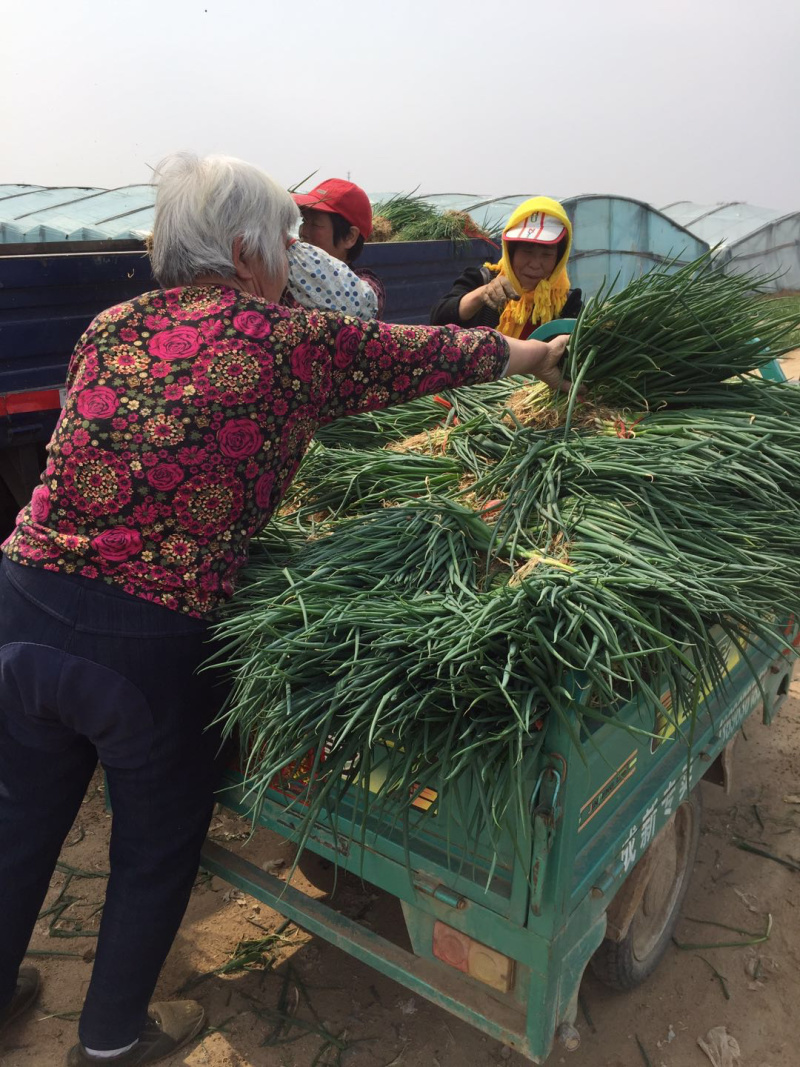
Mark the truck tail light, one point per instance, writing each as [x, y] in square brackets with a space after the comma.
[472, 958]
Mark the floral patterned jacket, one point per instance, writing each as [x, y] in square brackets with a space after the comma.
[187, 414]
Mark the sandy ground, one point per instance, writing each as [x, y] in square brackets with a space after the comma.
[316, 1005]
[324, 998]
[791, 365]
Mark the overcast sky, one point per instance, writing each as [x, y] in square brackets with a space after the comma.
[661, 100]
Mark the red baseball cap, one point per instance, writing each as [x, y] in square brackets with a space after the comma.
[340, 198]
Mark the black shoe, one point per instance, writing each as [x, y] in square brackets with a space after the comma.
[171, 1025]
[24, 996]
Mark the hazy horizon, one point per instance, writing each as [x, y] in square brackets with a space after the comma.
[664, 102]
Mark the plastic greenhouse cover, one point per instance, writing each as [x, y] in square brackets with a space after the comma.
[722, 223]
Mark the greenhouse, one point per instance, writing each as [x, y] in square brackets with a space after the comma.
[615, 237]
[32, 214]
[751, 238]
[619, 238]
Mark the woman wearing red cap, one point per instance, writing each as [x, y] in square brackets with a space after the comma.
[528, 286]
[337, 217]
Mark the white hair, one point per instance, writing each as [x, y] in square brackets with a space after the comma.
[203, 205]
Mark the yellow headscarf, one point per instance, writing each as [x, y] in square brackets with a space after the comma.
[545, 302]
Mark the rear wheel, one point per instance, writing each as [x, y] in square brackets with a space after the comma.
[668, 865]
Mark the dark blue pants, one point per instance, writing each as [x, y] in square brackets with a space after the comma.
[86, 673]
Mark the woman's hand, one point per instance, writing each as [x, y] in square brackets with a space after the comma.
[540, 358]
[495, 295]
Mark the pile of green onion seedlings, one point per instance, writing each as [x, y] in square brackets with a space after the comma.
[432, 612]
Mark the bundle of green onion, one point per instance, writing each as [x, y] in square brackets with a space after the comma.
[431, 606]
[407, 217]
[674, 331]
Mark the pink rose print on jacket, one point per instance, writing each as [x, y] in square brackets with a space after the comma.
[303, 359]
[117, 543]
[298, 429]
[178, 343]
[98, 403]
[40, 503]
[432, 383]
[239, 438]
[165, 476]
[252, 323]
[347, 342]
[263, 490]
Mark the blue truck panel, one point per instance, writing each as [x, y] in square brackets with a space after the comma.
[47, 300]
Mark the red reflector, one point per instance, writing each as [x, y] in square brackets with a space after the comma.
[472, 958]
[451, 947]
[19, 403]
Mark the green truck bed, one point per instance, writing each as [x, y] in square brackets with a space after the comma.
[598, 866]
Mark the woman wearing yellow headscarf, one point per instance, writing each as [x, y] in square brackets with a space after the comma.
[528, 286]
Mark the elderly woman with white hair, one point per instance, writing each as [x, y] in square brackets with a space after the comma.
[188, 411]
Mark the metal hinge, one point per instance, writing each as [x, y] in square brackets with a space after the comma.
[545, 813]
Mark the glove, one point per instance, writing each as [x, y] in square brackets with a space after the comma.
[498, 292]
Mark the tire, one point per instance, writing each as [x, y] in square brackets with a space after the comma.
[624, 964]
